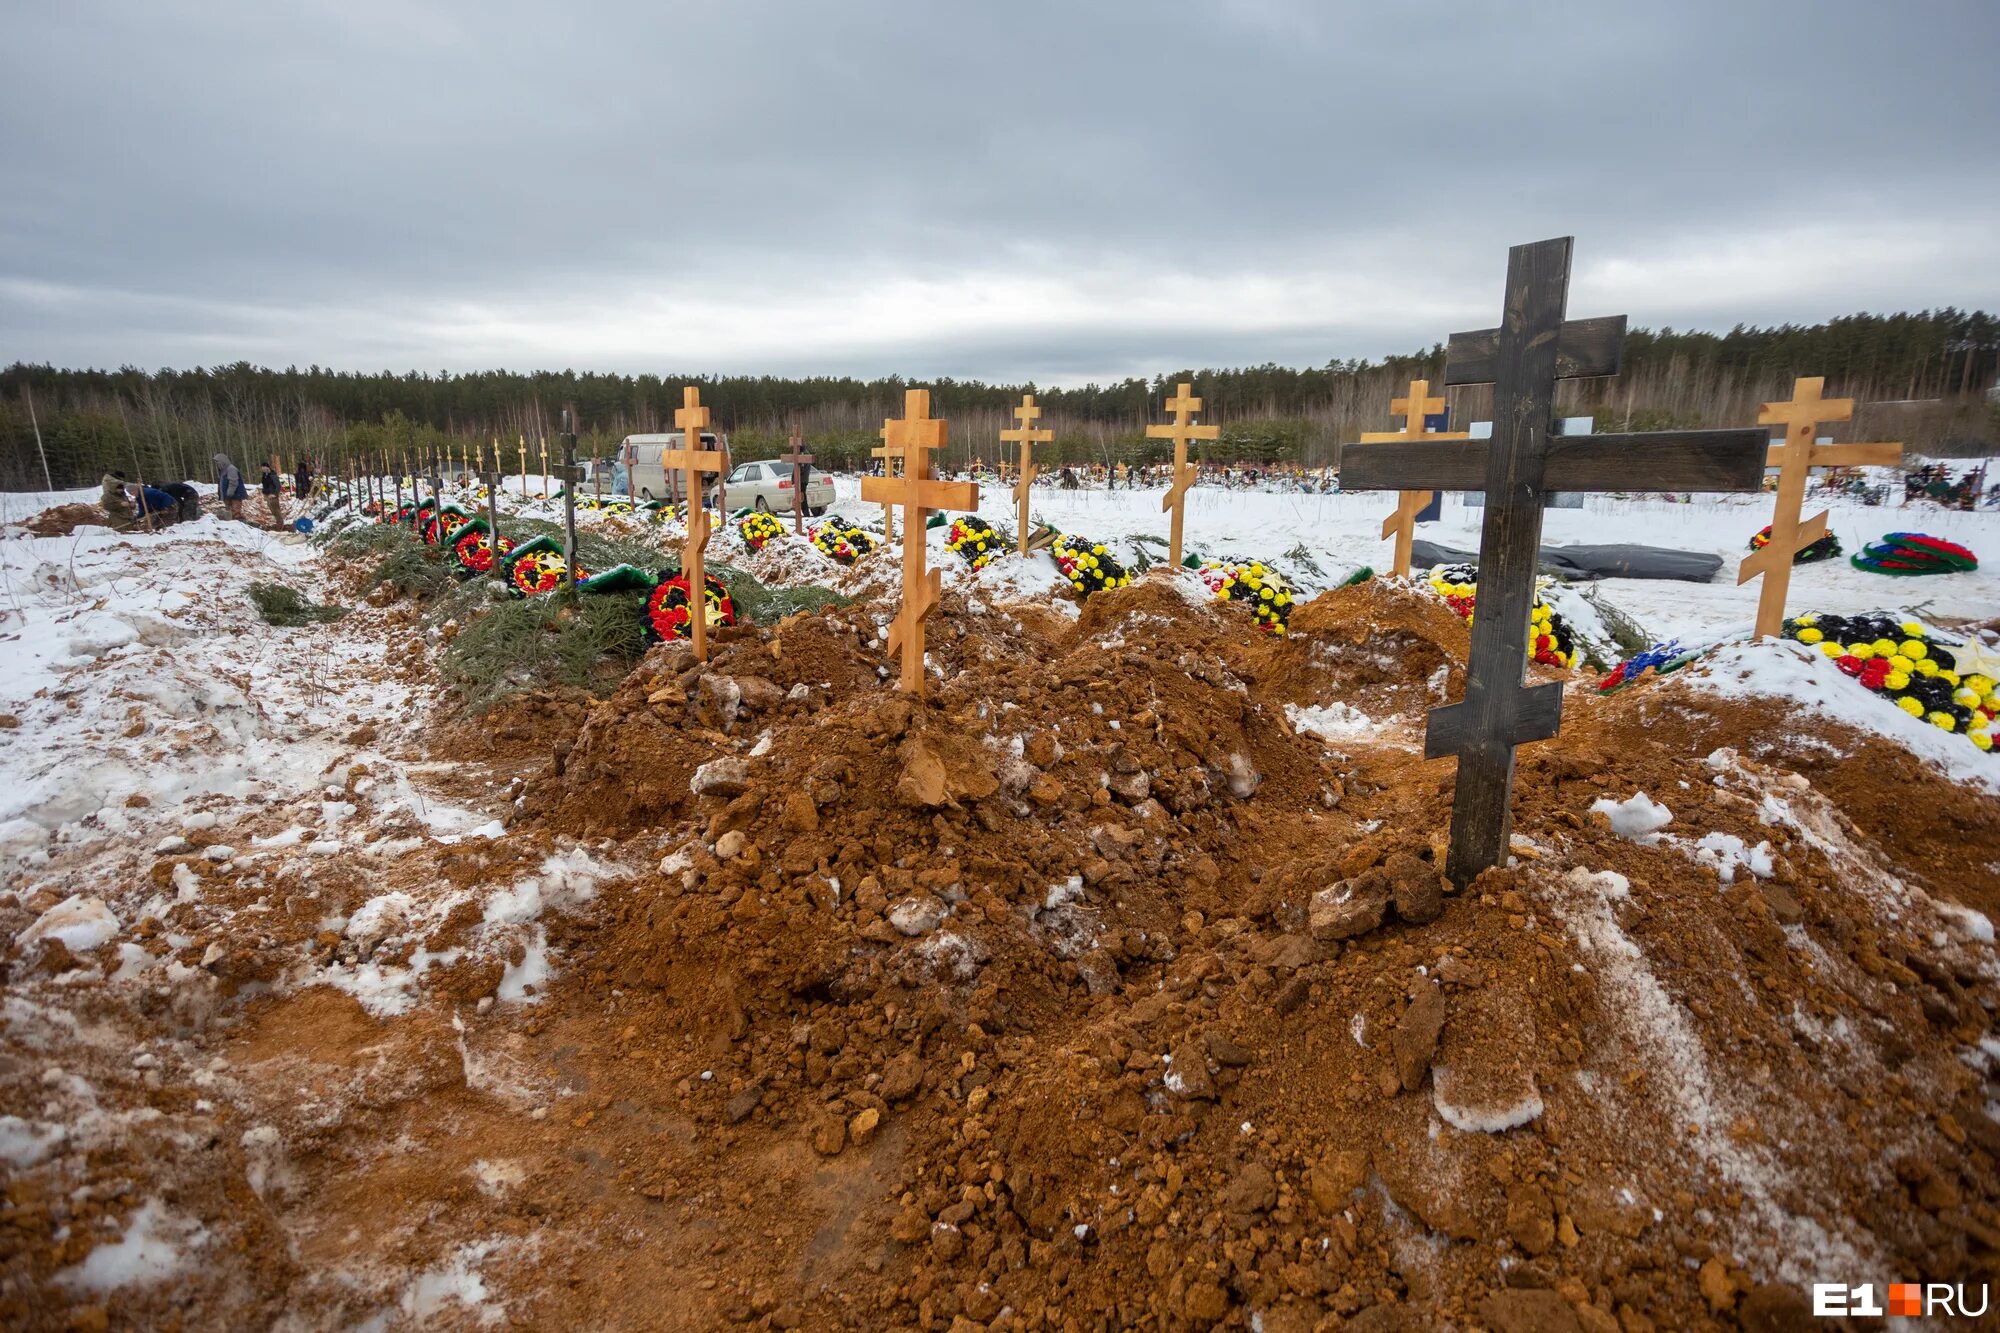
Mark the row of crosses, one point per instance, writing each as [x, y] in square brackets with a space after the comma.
[1524, 460]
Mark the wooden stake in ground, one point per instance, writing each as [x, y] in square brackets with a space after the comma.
[1524, 460]
[491, 476]
[1413, 409]
[801, 474]
[888, 453]
[1795, 456]
[912, 439]
[1183, 406]
[1027, 437]
[693, 463]
[571, 474]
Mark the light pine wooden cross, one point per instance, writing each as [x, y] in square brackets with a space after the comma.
[1182, 406]
[888, 453]
[522, 444]
[694, 462]
[801, 473]
[1795, 456]
[912, 440]
[1525, 459]
[1413, 409]
[1027, 436]
[545, 466]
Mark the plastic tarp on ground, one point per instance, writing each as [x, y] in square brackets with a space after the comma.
[1592, 562]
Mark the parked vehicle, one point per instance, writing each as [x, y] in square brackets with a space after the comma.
[768, 486]
[651, 481]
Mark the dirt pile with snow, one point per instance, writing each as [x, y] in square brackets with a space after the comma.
[1113, 985]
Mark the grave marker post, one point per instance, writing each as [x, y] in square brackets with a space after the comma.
[694, 463]
[1413, 409]
[801, 474]
[1523, 358]
[888, 453]
[1795, 456]
[1182, 406]
[1027, 437]
[912, 439]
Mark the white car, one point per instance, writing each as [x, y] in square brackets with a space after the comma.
[768, 486]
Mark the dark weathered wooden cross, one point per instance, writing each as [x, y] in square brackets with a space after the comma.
[491, 475]
[801, 474]
[571, 475]
[912, 440]
[1523, 358]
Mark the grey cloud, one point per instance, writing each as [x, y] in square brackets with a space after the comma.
[324, 183]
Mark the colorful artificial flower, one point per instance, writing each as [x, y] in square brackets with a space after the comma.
[537, 572]
[474, 550]
[1087, 565]
[1550, 639]
[667, 614]
[975, 539]
[1266, 590]
[1826, 548]
[1902, 662]
[1908, 554]
[841, 541]
[757, 528]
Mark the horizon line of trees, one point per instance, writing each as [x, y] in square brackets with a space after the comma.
[1927, 377]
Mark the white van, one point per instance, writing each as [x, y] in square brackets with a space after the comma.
[649, 480]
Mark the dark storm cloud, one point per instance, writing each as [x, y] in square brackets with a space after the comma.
[1058, 190]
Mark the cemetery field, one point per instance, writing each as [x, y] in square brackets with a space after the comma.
[1115, 982]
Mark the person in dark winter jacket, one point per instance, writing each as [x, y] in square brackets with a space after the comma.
[160, 508]
[302, 480]
[274, 495]
[187, 500]
[229, 487]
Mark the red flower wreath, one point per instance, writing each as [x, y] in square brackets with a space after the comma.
[539, 572]
[667, 607]
[475, 551]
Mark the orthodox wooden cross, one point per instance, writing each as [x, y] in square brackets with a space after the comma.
[1795, 456]
[1413, 409]
[571, 475]
[544, 441]
[801, 474]
[1523, 359]
[912, 439]
[888, 453]
[1183, 407]
[694, 463]
[1026, 436]
[491, 476]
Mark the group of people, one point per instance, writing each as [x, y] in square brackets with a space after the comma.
[154, 505]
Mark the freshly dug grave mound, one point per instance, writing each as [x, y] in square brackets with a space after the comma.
[62, 520]
[1135, 1002]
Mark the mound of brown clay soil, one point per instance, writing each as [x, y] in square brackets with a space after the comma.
[1113, 986]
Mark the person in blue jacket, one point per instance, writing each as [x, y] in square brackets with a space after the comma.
[229, 487]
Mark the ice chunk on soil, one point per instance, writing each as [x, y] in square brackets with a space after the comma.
[1638, 818]
[1329, 722]
[151, 1250]
[24, 1143]
[81, 923]
[1483, 1114]
[1727, 853]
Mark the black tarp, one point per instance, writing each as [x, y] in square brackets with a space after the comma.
[1592, 562]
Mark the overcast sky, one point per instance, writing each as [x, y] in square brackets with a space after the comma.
[1058, 191]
